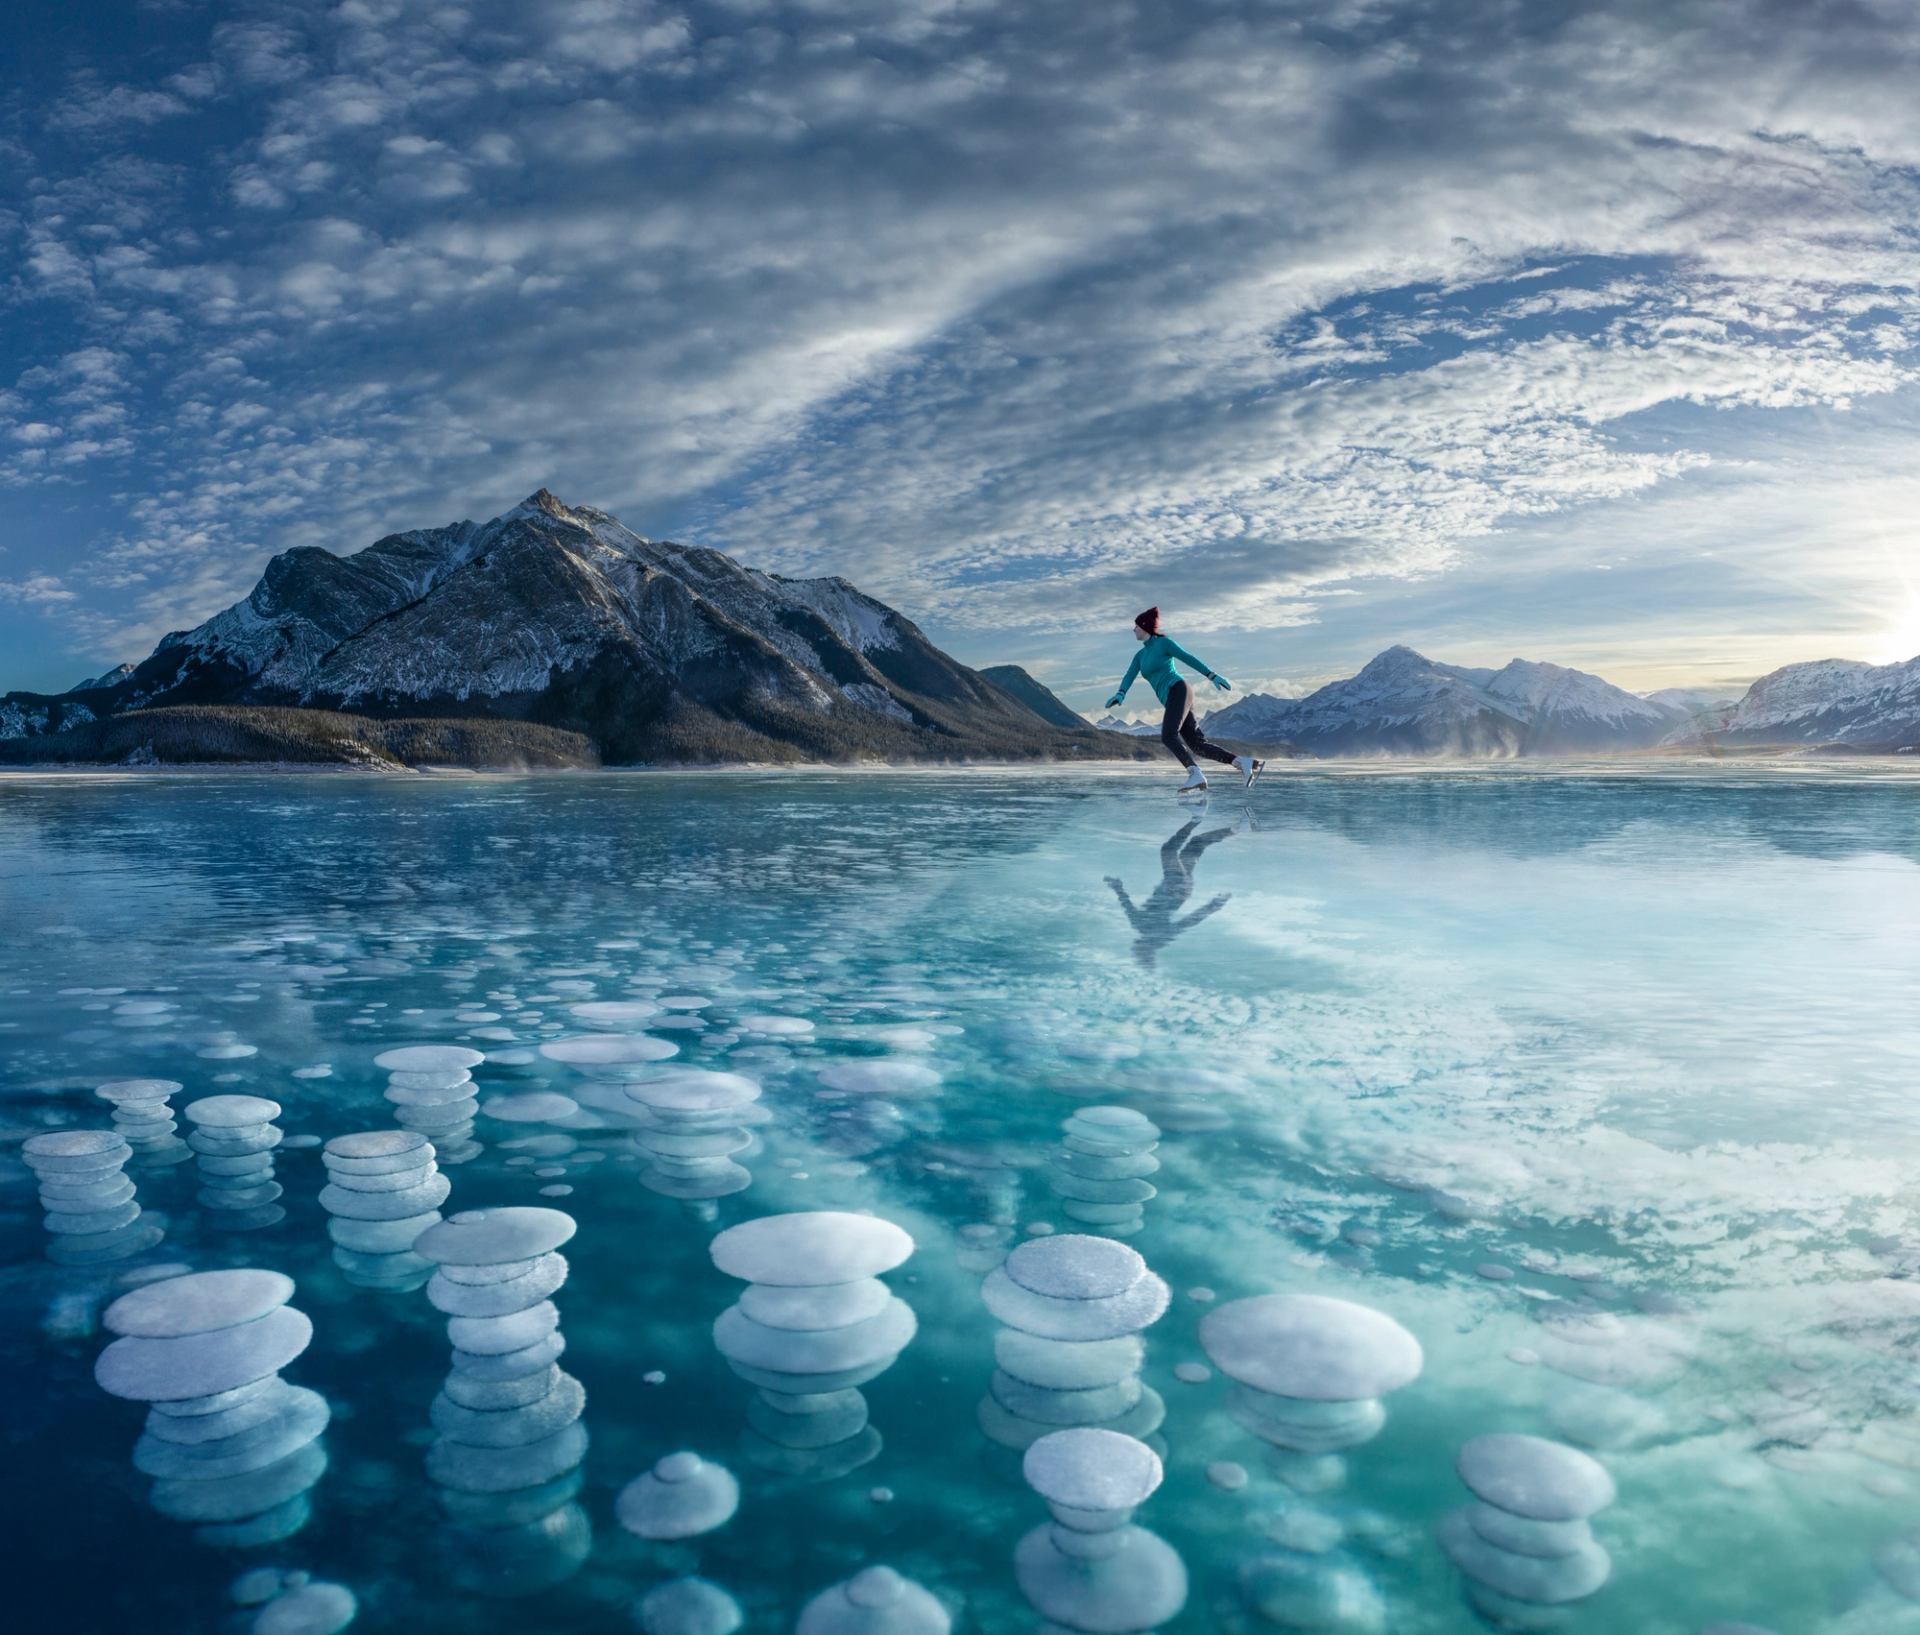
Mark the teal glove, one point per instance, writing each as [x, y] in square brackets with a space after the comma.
[1116, 701]
[1223, 684]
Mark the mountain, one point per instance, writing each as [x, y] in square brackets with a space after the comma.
[1692, 699]
[1403, 703]
[1828, 701]
[1016, 683]
[560, 616]
[1133, 729]
[112, 678]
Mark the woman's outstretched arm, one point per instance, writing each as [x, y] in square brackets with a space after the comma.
[1185, 657]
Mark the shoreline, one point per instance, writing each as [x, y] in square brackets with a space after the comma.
[1901, 767]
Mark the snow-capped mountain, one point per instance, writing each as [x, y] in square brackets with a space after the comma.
[1133, 729]
[1403, 703]
[1827, 701]
[559, 614]
[1692, 700]
[112, 678]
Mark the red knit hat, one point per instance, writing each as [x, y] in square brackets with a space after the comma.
[1149, 621]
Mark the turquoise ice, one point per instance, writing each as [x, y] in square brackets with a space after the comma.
[1598, 1083]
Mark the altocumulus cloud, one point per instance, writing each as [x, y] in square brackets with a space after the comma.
[1008, 312]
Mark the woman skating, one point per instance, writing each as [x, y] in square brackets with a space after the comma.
[1179, 731]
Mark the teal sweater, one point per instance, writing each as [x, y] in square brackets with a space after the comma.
[1155, 662]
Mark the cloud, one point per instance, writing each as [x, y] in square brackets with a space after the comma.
[39, 588]
[1016, 318]
[91, 108]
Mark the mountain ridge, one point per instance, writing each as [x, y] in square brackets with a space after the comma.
[561, 616]
[1403, 703]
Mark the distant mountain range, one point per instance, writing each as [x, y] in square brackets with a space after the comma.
[1403, 703]
[608, 647]
[559, 616]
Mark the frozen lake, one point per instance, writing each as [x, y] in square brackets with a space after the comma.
[1600, 1084]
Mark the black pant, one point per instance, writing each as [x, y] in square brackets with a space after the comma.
[1181, 733]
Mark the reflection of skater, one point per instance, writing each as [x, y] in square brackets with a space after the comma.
[1154, 925]
[1179, 731]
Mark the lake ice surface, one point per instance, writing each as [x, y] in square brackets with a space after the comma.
[1600, 1082]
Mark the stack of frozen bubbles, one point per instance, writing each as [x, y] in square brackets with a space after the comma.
[231, 1446]
[1099, 1173]
[1525, 1544]
[383, 1190]
[1092, 1569]
[1069, 1350]
[431, 1088]
[507, 1456]
[143, 1115]
[1309, 1372]
[233, 1138]
[814, 1323]
[92, 1214]
[695, 1121]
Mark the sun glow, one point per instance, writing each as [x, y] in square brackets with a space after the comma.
[1900, 640]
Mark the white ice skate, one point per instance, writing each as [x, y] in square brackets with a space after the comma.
[1251, 765]
[1196, 779]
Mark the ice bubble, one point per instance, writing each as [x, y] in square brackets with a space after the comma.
[681, 1497]
[1091, 1470]
[234, 1447]
[1068, 1359]
[1192, 1373]
[821, 1339]
[143, 1116]
[1524, 1536]
[609, 1055]
[1597, 1416]
[261, 1584]
[198, 1365]
[1225, 1474]
[784, 1027]
[876, 1601]
[530, 1107]
[307, 1609]
[438, 1059]
[814, 1306]
[613, 1015]
[1060, 1318]
[689, 1606]
[1533, 1477]
[1538, 1580]
[1076, 1267]
[884, 1077]
[1310, 1347]
[810, 1249]
[1091, 1569]
[1313, 1592]
[76, 1151]
[479, 1237]
[200, 1302]
[510, 1440]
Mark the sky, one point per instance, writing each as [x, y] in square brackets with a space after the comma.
[1580, 332]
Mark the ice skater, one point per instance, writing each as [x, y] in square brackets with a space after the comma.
[1157, 921]
[1179, 731]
